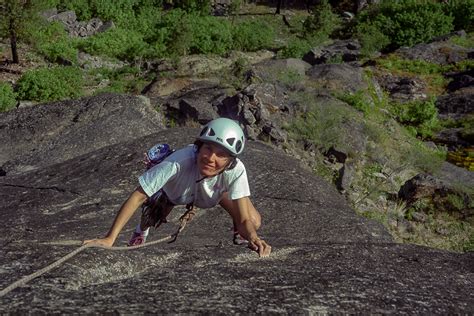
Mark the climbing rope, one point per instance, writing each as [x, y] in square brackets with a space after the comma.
[188, 215]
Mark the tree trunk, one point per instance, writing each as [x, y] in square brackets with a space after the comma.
[278, 6]
[13, 47]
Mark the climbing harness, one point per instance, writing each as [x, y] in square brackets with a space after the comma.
[187, 216]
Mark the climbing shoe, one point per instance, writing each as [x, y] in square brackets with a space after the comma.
[239, 240]
[137, 239]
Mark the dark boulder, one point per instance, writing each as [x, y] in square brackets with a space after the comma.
[403, 89]
[196, 102]
[442, 53]
[439, 195]
[339, 51]
[460, 80]
[455, 105]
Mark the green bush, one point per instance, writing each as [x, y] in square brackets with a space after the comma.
[117, 43]
[7, 97]
[82, 8]
[209, 35]
[357, 100]
[202, 7]
[407, 22]
[371, 38]
[420, 115]
[252, 35]
[463, 13]
[322, 22]
[52, 41]
[50, 84]
[295, 48]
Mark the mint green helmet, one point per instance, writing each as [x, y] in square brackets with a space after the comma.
[224, 132]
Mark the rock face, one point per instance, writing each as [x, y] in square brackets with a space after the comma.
[325, 258]
[440, 52]
[441, 194]
[338, 77]
[340, 50]
[41, 135]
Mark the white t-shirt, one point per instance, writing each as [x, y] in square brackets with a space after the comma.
[178, 176]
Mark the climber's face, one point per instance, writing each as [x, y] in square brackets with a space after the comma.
[212, 159]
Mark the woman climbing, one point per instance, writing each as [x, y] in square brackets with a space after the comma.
[203, 175]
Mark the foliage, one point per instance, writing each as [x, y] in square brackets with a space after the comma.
[463, 41]
[463, 13]
[123, 80]
[371, 38]
[319, 125]
[252, 35]
[406, 22]
[357, 100]
[201, 7]
[50, 84]
[421, 115]
[322, 22]
[16, 17]
[7, 97]
[117, 43]
[295, 48]
[52, 41]
[209, 35]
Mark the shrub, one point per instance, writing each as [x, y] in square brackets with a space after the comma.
[7, 97]
[371, 38]
[117, 43]
[407, 22]
[252, 35]
[50, 84]
[319, 125]
[322, 22]
[357, 100]
[202, 7]
[420, 115]
[82, 8]
[463, 13]
[296, 48]
[52, 41]
[209, 35]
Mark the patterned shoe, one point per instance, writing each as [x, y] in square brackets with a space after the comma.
[239, 240]
[137, 239]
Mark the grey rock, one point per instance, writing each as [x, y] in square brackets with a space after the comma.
[455, 105]
[338, 77]
[65, 17]
[106, 26]
[346, 176]
[282, 71]
[87, 61]
[452, 137]
[340, 50]
[442, 53]
[437, 191]
[45, 134]
[419, 217]
[460, 80]
[276, 134]
[248, 117]
[323, 252]
[403, 89]
[196, 102]
[197, 110]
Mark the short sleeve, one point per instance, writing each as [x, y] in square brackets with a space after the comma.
[155, 178]
[238, 185]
